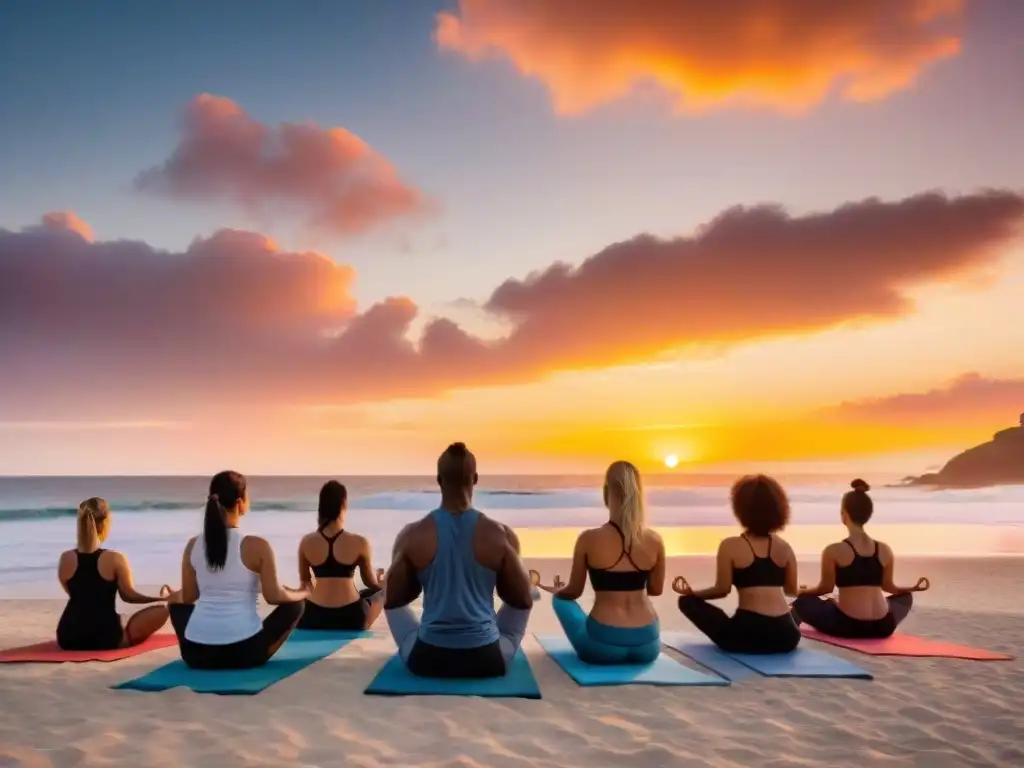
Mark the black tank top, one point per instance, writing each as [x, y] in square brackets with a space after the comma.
[864, 571]
[89, 594]
[331, 568]
[763, 572]
[607, 580]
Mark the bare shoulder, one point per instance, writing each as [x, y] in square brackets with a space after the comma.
[884, 550]
[256, 543]
[67, 557]
[652, 536]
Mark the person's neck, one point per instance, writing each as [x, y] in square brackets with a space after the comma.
[91, 548]
[231, 521]
[333, 527]
[856, 532]
[456, 503]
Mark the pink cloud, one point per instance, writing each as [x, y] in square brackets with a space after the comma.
[332, 179]
[970, 399]
[122, 330]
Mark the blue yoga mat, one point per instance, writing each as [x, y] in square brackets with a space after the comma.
[802, 662]
[394, 679]
[663, 671]
[302, 648]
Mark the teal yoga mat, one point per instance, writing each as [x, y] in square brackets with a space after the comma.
[802, 662]
[394, 679]
[301, 649]
[663, 671]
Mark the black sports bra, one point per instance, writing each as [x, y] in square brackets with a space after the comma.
[864, 571]
[331, 568]
[607, 580]
[763, 572]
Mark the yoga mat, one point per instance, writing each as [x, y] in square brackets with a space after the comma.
[663, 671]
[302, 648]
[50, 653]
[394, 679]
[800, 663]
[907, 645]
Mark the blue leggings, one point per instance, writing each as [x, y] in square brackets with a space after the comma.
[597, 643]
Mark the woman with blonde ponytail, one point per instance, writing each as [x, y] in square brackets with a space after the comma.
[93, 577]
[626, 564]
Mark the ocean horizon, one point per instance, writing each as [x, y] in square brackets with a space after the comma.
[154, 516]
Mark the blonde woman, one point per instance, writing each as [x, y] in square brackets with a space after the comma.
[93, 577]
[626, 564]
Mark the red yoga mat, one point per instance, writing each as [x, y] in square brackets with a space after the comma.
[50, 653]
[907, 645]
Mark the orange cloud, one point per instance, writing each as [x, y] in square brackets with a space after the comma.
[968, 401]
[67, 220]
[330, 177]
[235, 319]
[785, 54]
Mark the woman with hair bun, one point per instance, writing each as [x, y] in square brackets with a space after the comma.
[334, 602]
[93, 578]
[862, 569]
[626, 563]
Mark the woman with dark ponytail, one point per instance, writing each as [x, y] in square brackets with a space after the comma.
[863, 570]
[222, 575]
[334, 602]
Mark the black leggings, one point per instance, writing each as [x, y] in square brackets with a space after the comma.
[254, 651]
[342, 617]
[826, 617]
[427, 660]
[744, 631]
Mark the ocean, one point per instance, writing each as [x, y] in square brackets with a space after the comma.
[154, 516]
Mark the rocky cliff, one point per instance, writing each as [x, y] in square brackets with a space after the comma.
[1000, 461]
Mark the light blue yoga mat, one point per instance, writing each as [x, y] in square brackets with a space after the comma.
[395, 679]
[802, 662]
[663, 671]
[302, 648]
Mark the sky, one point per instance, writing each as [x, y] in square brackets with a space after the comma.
[749, 234]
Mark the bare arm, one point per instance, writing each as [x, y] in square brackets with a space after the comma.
[271, 588]
[723, 576]
[305, 570]
[66, 569]
[889, 570]
[578, 574]
[656, 581]
[513, 585]
[792, 586]
[126, 584]
[402, 586]
[366, 572]
[827, 580]
[189, 584]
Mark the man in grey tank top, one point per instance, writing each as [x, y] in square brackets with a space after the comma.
[458, 558]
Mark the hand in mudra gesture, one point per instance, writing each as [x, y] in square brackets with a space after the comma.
[681, 586]
[922, 584]
[535, 581]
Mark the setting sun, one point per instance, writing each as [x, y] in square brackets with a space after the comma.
[671, 461]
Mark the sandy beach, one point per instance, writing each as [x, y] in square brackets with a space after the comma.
[917, 712]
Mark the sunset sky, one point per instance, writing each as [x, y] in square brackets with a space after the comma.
[332, 237]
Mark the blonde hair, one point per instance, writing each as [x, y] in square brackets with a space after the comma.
[624, 478]
[92, 515]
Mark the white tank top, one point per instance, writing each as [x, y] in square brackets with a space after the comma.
[226, 610]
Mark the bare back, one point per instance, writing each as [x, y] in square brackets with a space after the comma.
[860, 602]
[742, 552]
[601, 552]
[346, 552]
